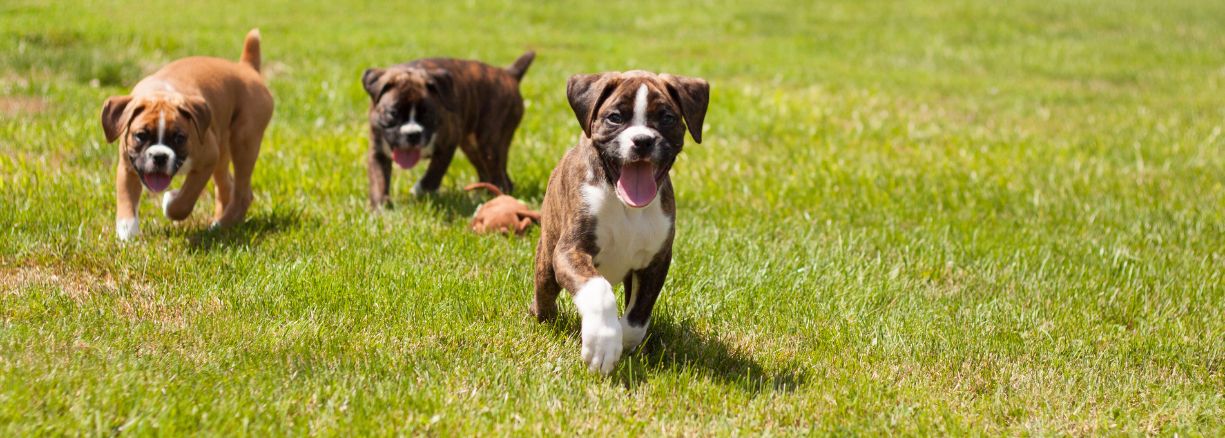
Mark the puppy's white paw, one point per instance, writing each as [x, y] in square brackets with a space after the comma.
[632, 335]
[601, 330]
[167, 198]
[127, 229]
[601, 345]
[418, 191]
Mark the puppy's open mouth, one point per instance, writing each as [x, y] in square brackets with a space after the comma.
[637, 185]
[156, 181]
[406, 158]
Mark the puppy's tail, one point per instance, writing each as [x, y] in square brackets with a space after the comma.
[250, 49]
[484, 185]
[519, 68]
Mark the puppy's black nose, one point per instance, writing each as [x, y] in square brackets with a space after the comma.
[643, 143]
[414, 138]
[159, 159]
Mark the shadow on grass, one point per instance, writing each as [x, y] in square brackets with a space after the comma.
[670, 346]
[250, 233]
[452, 204]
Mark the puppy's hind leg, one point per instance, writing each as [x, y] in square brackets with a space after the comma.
[493, 148]
[502, 152]
[223, 185]
[544, 306]
[244, 152]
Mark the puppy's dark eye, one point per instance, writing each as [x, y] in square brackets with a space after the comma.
[178, 139]
[614, 118]
[389, 117]
[667, 119]
[140, 137]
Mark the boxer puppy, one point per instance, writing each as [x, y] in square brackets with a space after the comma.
[608, 214]
[429, 107]
[195, 117]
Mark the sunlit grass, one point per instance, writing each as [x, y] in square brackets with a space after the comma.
[915, 217]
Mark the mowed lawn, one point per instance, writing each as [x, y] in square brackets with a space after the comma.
[913, 217]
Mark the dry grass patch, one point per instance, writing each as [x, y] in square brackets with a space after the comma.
[14, 106]
[132, 300]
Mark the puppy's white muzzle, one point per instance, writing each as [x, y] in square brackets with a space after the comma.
[161, 157]
[625, 143]
[411, 128]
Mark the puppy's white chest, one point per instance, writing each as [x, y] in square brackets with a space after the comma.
[628, 238]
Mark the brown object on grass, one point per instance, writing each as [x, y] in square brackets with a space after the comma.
[501, 214]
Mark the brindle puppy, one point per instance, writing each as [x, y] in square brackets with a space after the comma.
[429, 107]
[608, 211]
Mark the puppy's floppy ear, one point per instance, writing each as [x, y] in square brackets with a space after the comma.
[586, 93]
[372, 81]
[196, 109]
[693, 95]
[114, 116]
[441, 84]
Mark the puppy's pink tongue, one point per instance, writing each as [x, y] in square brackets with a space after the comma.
[406, 158]
[156, 181]
[637, 184]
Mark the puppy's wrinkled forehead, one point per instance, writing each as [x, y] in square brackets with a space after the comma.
[601, 101]
[405, 84]
[159, 114]
[639, 90]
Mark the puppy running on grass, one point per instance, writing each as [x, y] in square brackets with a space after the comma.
[430, 107]
[608, 214]
[196, 116]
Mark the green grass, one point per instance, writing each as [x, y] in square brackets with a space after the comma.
[914, 217]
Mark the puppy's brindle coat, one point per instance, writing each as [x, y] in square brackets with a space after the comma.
[428, 107]
[599, 225]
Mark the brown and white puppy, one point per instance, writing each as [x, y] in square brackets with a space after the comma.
[195, 117]
[608, 215]
[429, 107]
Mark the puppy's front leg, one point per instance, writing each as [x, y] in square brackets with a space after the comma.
[433, 174]
[177, 204]
[127, 198]
[378, 166]
[596, 304]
